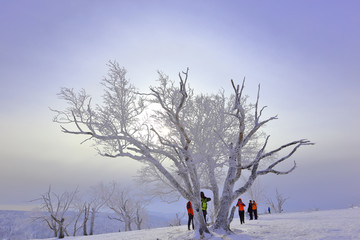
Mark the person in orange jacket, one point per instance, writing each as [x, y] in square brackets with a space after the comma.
[190, 214]
[241, 206]
[254, 209]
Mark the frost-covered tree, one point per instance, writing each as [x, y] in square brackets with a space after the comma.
[263, 162]
[188, 141]
[141, 215]
[79, 212]
[277, 205]
[127, 207]
[211, 123]
[256, 192]
[99, 195]
[176, 221]
[86, 207]
[204, 127]
[55, 207]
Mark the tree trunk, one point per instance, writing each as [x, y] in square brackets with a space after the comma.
[128, 226]
[201, 228]
[215, 191]
[92, 222]
[61, 228]
[86, 218]
[222, 222]
[84, 227]
[55, 233]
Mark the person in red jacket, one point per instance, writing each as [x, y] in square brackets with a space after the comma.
[241, 206]
[254, 209]
[190, 214]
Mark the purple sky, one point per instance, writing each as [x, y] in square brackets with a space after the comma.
[305, 54]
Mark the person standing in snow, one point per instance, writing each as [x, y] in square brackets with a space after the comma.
[190, 214]
[250, 211]
[254, 209]
[241, 206]
[269, 211]
[204, 201]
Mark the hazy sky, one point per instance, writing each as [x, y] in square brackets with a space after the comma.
[304, 53]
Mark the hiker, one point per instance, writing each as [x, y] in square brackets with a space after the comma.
[204, 201]
[241, 206]
[250, 211]
[254, 209]
[190, 214]
[269, 210]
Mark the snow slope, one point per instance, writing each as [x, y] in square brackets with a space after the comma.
[341, 224]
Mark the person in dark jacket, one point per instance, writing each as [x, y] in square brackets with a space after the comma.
[241, 206]
[250, 211]
[190, 214]
[204, 201]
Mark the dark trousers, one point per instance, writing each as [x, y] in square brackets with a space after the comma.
[191, 220]
[204, 213]
[255, 214]
[242, 217]
[251, 215]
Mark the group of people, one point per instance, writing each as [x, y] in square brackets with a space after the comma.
[252, 210]
[190, 210]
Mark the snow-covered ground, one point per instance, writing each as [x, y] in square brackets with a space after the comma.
[341, 224]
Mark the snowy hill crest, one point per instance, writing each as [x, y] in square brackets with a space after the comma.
[329, 225]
